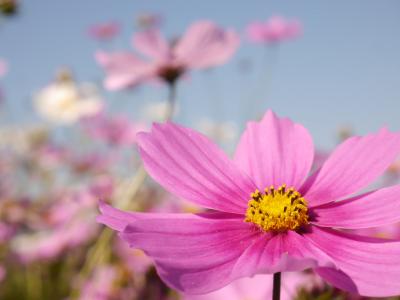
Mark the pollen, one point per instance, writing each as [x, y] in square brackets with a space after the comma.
[277, 209]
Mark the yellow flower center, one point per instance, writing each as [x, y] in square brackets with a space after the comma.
[277, 210]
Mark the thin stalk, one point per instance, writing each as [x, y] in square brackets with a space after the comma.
[171, 101]
[276, 290]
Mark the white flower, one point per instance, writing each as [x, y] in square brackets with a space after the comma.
[64, 102]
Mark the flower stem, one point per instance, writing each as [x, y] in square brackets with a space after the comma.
[171, 101]
[276, 290]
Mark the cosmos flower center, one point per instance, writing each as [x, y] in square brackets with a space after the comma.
[277, 209]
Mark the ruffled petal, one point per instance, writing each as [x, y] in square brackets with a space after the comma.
[151, 43]
[373, 209]
[190, 166]
[193, 253]
[275, 151]
[369, 267]
[353, 165]
[206, 45]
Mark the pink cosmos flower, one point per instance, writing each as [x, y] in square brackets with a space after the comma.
[104, 31]
[204, 45]
[268, 215]
[274, 30]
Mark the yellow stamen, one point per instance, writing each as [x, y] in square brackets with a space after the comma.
[277, 210]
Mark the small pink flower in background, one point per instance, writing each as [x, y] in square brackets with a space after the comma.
[51, 155]
[102, 187]
[101, 285]
[6, 232]
[274, 30]
[114, 130]
[204, 45]
[149, 20]
[259, 287]
[267, 214]
[93, 162]
[3, 67]
[104, 31]
[68, 223]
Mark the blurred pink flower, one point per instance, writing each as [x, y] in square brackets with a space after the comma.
[67, 223]
[3, 67]
[93, 162]
[274, 30]
[204, 45]
[101, 285]
[104, 31]
[51, 155]
[289, 226]
[102, 187]
[114, 130]
[6, 232]
[51, 243]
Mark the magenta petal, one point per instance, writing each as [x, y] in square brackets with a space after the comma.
[151, 43]
[353, 165]
[373, 209]
[114, 218]
[193, 253]
[206, 45]
[118, 219]
[275, 151]
[188, 165]
[279, 253]
[371, 266]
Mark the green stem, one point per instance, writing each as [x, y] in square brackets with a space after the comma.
[276, 290]
[171, 101]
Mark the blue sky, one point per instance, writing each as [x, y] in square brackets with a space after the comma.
[344, 70]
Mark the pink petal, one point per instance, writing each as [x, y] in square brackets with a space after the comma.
[193, 253]
[206, 45]
[275, 151]
[280, 253]
[114, 218]
[151, 43]
[353, 165]
[373, 209]
[367, 266]
[190, 166]
[118, 219]
[123, 69]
